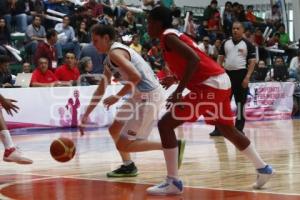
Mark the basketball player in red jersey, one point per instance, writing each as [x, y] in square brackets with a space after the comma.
[210, 91]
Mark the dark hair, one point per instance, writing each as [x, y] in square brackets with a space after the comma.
[275, 6]
[50, 33]
[228, 3]
[238, 22]
[277, 34]
[4, 59]
[162, 14]
[101, 30]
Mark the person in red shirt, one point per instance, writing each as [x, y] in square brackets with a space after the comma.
[42, 76]
[47, 50]
[210, 92]
[68, 71]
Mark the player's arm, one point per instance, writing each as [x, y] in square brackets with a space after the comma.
[174, 44]
[99, 92]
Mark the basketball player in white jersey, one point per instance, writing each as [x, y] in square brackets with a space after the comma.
[136, 117]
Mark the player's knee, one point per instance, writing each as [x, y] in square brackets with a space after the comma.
[112, 131]
[122, 145]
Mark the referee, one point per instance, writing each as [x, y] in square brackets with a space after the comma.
[238, 56]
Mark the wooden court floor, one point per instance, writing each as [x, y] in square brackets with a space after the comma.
[212, 167]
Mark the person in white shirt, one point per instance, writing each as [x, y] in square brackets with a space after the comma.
[294, 69]
[206, 47]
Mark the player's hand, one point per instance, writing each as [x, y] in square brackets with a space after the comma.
[9, 106]
[168, 81]
[245, 82]
[110, 101]
[173, 99]
[83, 124]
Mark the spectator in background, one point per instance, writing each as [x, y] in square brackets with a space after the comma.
[210, 10]
[26, 67]
[284, 39]
[97, 58]
[217, 48]
[258, 37]
[96, 8]
[42, 76]
[47, 50]
[36, 8]
[66, 38]
[85, 68]
[279, 62]
[294, 69]
[191, 27]
[4, 37]
[274, 40]
[135, 45]
[82, 33]
[15, 11]
[68, 72]
[5, 75]
[35, 33]
[206, 47]
[227, 18]
[273, 17]
[249, 35]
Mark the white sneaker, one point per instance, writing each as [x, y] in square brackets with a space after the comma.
[263, 176]
[168, 187]
[14, 155]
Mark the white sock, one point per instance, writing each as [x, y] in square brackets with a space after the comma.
[253, 156]
[127, 162]
[171, 157]
[6, 139]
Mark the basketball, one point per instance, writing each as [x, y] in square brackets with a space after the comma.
[62, 149]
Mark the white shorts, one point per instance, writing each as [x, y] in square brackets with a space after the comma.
[140, 113]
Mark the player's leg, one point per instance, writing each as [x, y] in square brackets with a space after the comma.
[172, 185]
[225, 125]
[128, 168]
[11, 154]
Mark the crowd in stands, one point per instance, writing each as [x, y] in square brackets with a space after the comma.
[58, 52]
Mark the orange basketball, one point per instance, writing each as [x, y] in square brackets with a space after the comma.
[62, 149]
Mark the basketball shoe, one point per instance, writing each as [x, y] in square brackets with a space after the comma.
[124, 171]
[263, 175]
[14, 155]
[170, 186]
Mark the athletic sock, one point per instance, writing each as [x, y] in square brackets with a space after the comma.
[6, 139]
[252, 155]
[171, 157]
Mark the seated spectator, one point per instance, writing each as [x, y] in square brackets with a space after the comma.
[191, 27]
[5, 75]
[260, 72]
[279, 63]
[35, 33]
[273, 17]
[96, 8]
[85, 68]
[258, 37]
[217, 48]
[15, 11]
[274, 40]
[26, 67]
[249, 35]
[4, 37]
[66, 38]
[42, 76]
[97, 58]
[135, 45]
[47, 50]
[227, 18]
[82, 33]
[68, 71]
[210, 10]
[206, 47]
[294, 69]
[284, 39]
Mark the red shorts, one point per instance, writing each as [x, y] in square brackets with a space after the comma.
[212, 103]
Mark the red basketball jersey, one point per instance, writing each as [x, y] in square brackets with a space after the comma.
[207, 67]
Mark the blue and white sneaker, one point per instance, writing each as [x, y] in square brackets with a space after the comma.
[263, 175]
[170, 186]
